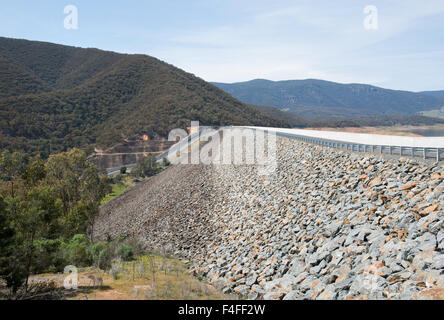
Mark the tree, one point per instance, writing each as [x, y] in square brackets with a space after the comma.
[56, 200]
[147, 167]
[76, 182]
[8, 271]
[24, 219]
[166, 162]
[123, 170]
[34, 172]
[11, 166]
[37, 217]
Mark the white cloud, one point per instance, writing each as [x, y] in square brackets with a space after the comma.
[302, 40]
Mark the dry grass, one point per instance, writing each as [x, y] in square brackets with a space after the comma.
[147, 278]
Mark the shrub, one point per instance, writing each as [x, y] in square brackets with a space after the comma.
[115, 269]
[49, 256]
[166, 162]
[76, 251]
[118, 178]
[102, 255]
[146, 167]
[125, 252]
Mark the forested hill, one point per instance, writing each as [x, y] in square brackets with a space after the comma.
[314, 98]
[53, 97]
[436, 94]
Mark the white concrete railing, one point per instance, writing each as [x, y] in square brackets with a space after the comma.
[426, 147]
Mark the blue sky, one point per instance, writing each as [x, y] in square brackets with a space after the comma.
[231, 41]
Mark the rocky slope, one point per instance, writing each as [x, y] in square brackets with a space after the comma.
[325, 225]
[169, 212]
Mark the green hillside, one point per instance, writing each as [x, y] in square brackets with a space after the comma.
[54, 97]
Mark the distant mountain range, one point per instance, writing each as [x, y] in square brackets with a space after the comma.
[436, 94]
[319, 99]
[54, 97]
